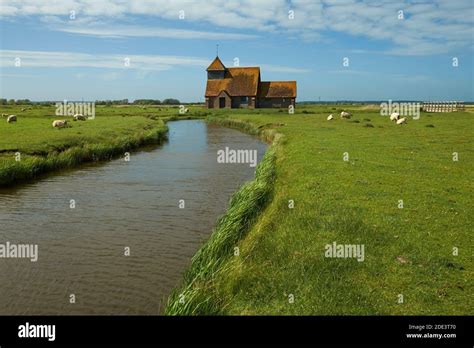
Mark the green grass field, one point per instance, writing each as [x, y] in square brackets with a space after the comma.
[408, 251]
[282, 269]
[43, 148]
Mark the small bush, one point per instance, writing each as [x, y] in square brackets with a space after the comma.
[429, 126]
[370, 125]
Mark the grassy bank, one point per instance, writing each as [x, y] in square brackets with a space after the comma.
[246, 204]
[396, 190]
[44, 149]
[399, 193]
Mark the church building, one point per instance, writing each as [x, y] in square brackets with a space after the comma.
[241, 87]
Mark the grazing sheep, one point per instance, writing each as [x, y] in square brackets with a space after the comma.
[23, 109]
[11, 118]
[60, 123]
[330, 117]
[402, 121]
[79, 117]
[395, 116]
[345, 114]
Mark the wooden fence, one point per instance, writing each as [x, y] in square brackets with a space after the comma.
[444, 106]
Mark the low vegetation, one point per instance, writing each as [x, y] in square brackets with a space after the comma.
[244, 208]
[400, 193]
[31, 147]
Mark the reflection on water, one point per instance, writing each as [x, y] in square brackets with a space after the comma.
[118, 204]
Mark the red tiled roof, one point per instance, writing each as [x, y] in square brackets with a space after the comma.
[277, 89]
[236, 82]
[216, 65]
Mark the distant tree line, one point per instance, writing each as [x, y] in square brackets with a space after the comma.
[112, 102]
[168, 101]
[4, 101]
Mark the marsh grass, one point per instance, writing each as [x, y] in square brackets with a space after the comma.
[408, 251]
[44, 149]
[244, 207]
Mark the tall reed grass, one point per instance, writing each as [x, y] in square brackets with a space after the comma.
[194, 297]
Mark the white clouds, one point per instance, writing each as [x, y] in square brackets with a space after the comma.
[428, 27]
[282, 69]
[141, 63]
[109, 61]
[136, 31]
[6, 10]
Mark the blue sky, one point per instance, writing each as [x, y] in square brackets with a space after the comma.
[391, 54]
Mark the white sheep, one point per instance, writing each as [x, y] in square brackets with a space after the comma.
[79, 117]
[402, 121]
[11, 118]
[330, 117]
[60, 123]
[395, 116]
[345, 114]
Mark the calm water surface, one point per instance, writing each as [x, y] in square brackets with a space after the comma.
[119, 204]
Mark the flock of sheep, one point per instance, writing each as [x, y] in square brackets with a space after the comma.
[394, 117]
[64, 124]
[56, 123]
[12, 118]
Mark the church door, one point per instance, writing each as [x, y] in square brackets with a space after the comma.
[221, 103]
